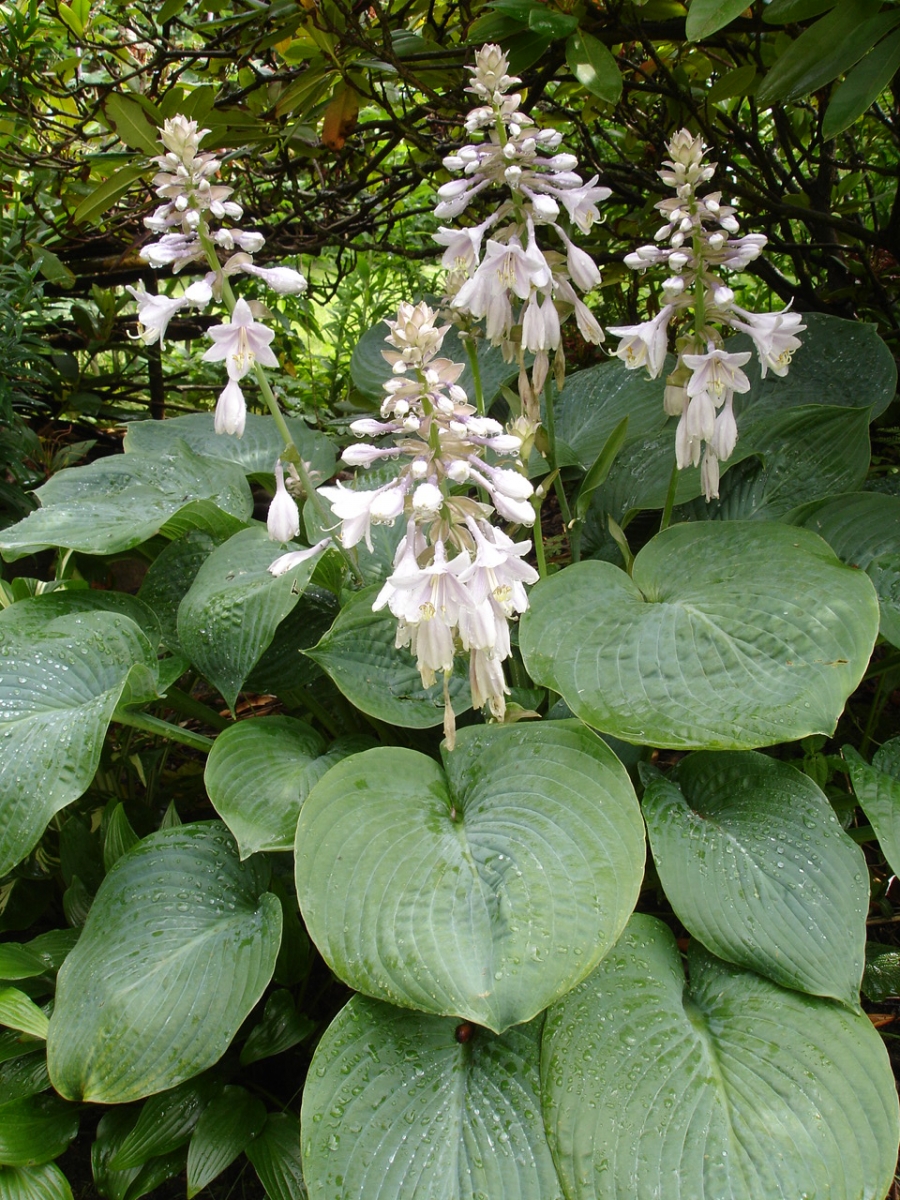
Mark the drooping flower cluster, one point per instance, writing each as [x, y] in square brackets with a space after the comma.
[700, 391]
[193, 202]
[522, 290]
[457, 580]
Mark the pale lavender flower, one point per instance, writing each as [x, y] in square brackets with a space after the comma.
[295, 557]
[241, 342]
[645, 344]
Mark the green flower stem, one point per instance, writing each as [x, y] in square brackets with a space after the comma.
[670, 499]
[181, 702]
[472, 352]
[291, 451]
[537, 501]
[174, 733]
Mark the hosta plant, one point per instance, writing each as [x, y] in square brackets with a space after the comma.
[531, 880]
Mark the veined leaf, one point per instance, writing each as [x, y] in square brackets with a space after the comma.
[131, 124]
[727, 637]
[500, 880]
[726, 1085]
[438, 1111]
[45, 1182]
[179, 944]
[708, 16]
[756, 865]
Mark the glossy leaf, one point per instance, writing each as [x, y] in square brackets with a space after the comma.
[594, 66]
[756, 866]
[19, 962]
[724, 1086]
[58, 691]
[118, 502]
[275, 1155]
[24, 1076]
[258, 774]
[170, 576]
[231, 611]
[863, 529]
[484, 890]
[32, 616]
[709, 16]
[45, 1182]
[280, 1028]
[166, 1122]
[18, 1011]
[255, 452]
[131, 123]
[35, 1129]
[359, 654]
[832, 45]
[877, 789]
[401, 1105]
[180, 942]
[727, 637]
[863, 85]
[222, 1132]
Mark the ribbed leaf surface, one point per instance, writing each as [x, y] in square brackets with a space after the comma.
[485, 890]
[756, 865]
[179, 944]
[728, 637]
[397, 1107]
[726, 1088]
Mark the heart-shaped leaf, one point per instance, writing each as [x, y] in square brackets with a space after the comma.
[179, 944]
[260, 771]
[484, 890]
[231, 611]
[404, 1106]
[863, 529]
[877, 789]
[255, 452]
[359, 654]
[756, 865]
[118, 502]
[726, 1086]
[728, 637]
[59, 688]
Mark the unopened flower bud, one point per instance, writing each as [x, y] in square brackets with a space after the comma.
[283, 519]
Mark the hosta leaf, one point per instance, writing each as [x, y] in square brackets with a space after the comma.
[18, 1011]
[231, 611]
[32, 615]
[179, 944]
[59, 688]
[727, 637]
[223, 1131]
[594, 401]
[724, 1086]
[118, 502]
[877, 789]
[404, 1106]
[500, 880]
[863, 529]
[255, 452]
[882, 974]
[275, 1155]
[359, 654]
[790, 458]
[257, 776]
[24, 1076]
[34, 1129]
[45, 1182]
[169, 578]
[281, 1028]
[756, 865]
[19, 962]
[369, 371]
[166, 1122]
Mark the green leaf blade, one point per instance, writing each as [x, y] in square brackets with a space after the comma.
[728, 638]
[500, 879]
[757, 867]
[158, 957]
